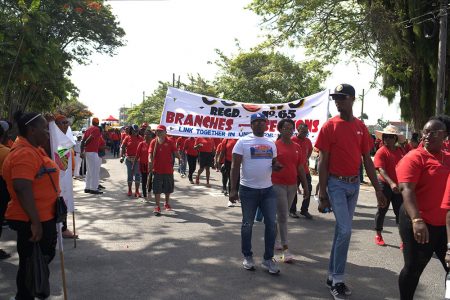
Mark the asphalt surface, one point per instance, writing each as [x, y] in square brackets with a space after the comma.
[124, 252]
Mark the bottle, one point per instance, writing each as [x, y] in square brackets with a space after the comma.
[447, 287]
[326, 210]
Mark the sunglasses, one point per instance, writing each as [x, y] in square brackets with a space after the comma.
[389, 136]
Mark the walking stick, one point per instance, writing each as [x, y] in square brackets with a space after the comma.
[74, 230]
[61, 256]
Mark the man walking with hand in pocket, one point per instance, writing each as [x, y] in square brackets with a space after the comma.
[257, 155]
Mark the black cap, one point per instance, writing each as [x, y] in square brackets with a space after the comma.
[344, 89]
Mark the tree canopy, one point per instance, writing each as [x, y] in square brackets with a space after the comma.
[397, 36]
[38, 42]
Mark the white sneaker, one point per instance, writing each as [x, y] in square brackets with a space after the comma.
[316, 197]
[287, 257]
[230, 204]
[248, 263]
[271, 266]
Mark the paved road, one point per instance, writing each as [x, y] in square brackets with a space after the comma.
[194, 252]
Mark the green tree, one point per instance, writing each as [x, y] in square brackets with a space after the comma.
[395, 35]
[38, 42]
[76, 111]
[267, 77]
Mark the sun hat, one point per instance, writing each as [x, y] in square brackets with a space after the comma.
[390, 129]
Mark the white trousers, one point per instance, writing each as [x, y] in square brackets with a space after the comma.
[92, 170]
[78, 161]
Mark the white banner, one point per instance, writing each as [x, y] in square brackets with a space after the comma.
[61, 146]
[190, 114]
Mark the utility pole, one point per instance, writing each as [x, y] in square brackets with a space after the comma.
[440, 89]
[173, 79]
[362, 105]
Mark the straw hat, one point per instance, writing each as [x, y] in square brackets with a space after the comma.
[390, 129]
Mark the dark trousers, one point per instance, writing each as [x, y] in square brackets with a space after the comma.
[395, 199]
[116, 148]
[417, 256]
[4, 199]
[144, 179]
[192, 162]
[25, 250]
[226, 175]
[306, 201]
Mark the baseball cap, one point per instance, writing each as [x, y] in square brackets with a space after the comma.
[4, 125]
[344, 90]
[135, 127]
[257, 116]
[161, 127]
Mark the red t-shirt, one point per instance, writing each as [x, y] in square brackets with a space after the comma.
[229, 145]
[162, 161]
[180, 142]
[142, 152]
[123, 135]
[387, 160]
[307, 147]
[429, 173]
[208, 144]
[189, 147]
[95, 134]
[290, 156]
[115, 136]
[131, 142]
[217, 141]
[446, 200]
[345, 142]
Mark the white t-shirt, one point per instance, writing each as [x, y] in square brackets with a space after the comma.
[257, 154]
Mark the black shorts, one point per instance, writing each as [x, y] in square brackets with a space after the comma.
[206, 159]
[163, 183]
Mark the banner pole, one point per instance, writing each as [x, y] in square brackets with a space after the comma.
[74, 230]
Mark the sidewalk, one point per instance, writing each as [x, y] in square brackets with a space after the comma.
[124, 252]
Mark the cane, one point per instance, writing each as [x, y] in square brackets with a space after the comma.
[61, 256]
[74, 230]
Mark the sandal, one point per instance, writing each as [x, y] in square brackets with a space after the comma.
[69, 235]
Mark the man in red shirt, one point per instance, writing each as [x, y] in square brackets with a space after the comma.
[227, 153]
[160, 158]
[182, 163]
[89, 150]
[305, 144]
[342, 141]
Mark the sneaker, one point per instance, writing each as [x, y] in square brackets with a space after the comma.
[96, 192]
[230, 204]
[293, 215]
[130, 193]
[183, 175]
[157, 211]
[100, 187]
[278, 246]
[306, 214]
[316, 198]
[340, 291]
[271, 266]
[224, 191]
[167, 206]
[137, 195]
[347, 290]
[248, 263]
[379, 240]
[87, 191]
[287, 257]
[191, 181]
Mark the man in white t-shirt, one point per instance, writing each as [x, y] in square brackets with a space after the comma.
[257, 155]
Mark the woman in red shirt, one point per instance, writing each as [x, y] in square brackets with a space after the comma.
[422, 175]
[129, 147]
[292, 159]
[205, 147]
[385, 161]
[142, 159]
[191, 156]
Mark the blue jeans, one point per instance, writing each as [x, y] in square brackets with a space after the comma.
[182, 165]
[132, 173]
[266, 200]
[343, 198]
